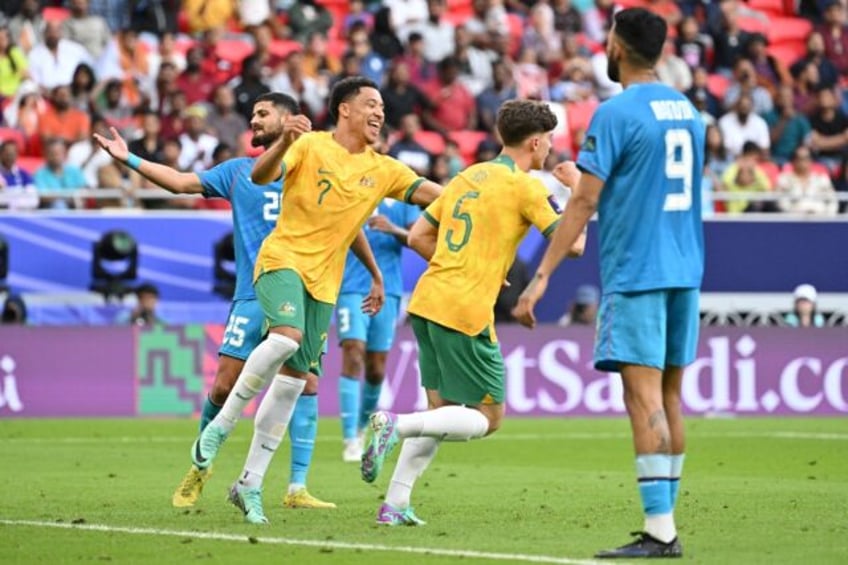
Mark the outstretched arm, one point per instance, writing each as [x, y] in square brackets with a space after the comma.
[374, 301]
[426, 192]
[267, 167]
[170, 179]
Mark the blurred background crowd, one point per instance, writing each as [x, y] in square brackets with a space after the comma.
[177, 80]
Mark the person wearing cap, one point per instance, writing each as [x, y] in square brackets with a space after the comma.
[197, 145]
[804, 313]
[584, 309]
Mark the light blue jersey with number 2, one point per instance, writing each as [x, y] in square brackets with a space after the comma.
[647, 145]
[255, 211]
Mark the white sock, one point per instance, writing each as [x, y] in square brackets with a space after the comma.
[261, 366]
[416, 453]
[271, 421]
[449, 423]
[294, 487]
[661, 527]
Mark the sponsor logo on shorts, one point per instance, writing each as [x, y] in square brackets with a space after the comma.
[287, 309]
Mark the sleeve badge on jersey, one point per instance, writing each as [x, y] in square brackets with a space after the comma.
[552, 201]
[590, 144]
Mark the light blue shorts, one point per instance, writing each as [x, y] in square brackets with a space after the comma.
[655, 328]
[378, 332]
[245, 329]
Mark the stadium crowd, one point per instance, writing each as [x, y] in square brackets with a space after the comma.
[179, 77]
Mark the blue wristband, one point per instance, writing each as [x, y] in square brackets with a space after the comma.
[133, 161]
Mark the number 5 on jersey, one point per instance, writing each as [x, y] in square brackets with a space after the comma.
[465, 218]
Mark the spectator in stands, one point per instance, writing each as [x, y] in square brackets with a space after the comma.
[166, 51]
[145, 311]
[357, 13]
[60, 119]
[318, 63]
[692, 45]
[308, 16]
[531, 78]
[196, 145]
[90, 31]
[305, 90]
[203, 15]
[218, 69]
[406, 15]
[597, 20]
[83, 83]
[86, 155]
[173, 116]
[567, 18]
[745, 80]
[371, 64]
[804, 314]
[222, 121]
[488, 20]
[805, 87]
[13, 65]
[27, 26]
[17, 188]
[540, 35]
[475, 64]
[769, 72]
[439, 170]
[155, 16]
[787, 128]
[584, 309]
[22, 113]
[706, 102]
[126, 60]
[14, 310]
[835, 35]
[166, 85]
[827, 75]
[517, 279]
[805, 190]
[741, 124]
[384, 40]
[402, 97]
[716, 156]
[454, 107]
[350, 68]
[487, 150]
[421, 71]
[454, 158]
[672, 70]
[407, 150]
[745, 175]
[269, 61]
[115, 12]
[437, 32]
[111, 104]
[53, 62]
[253, 13]
[829, 139]
[490, 100]
[57, 175]
[729, 39]
[249, 86]
[196, 83]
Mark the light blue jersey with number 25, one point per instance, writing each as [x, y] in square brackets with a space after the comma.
[647, 145]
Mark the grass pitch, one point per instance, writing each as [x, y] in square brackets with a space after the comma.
[550, 491]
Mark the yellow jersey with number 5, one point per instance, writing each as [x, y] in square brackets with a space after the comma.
[482, 215]
[328, 194]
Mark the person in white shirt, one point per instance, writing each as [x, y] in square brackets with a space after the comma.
[804, 190]
[53, 62]
[741, 125]
[197, 145]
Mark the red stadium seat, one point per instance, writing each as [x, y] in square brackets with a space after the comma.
[11, 134]
[30, 164]
[244, 142]
[468, 140]
[516, 32]
[753, 24]
[433, 142]
[233, 50]
[787, 53]
[771, 170]
[55, 14]
[783, 30]
[282, 48]
[770, 7]
[718, 85]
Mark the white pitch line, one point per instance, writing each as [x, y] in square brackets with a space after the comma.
[500, 437]
[441, 552]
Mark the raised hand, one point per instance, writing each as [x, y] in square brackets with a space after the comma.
[567, 173]
[294, 126]
[116, 147]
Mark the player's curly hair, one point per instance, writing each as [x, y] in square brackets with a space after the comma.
[346, 89]
[519, 119]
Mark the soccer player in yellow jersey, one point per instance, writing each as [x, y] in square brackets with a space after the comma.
[469, 235]
[333, 182]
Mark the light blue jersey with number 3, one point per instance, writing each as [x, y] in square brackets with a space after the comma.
[647, 145]
[255, 211]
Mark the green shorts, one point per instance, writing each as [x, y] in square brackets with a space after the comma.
[463, 369]
[286, 302]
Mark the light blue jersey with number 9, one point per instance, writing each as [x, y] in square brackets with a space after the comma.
[647, 145]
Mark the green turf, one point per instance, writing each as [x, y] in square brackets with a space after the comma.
[754, 491]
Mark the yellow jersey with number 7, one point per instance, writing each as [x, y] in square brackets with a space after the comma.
[481, 216]
[329, 193]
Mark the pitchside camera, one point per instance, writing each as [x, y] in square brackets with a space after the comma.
[114, 264]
